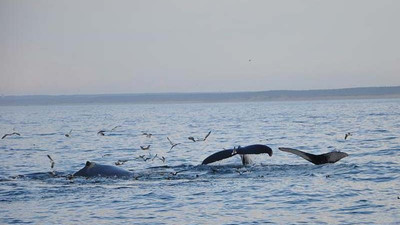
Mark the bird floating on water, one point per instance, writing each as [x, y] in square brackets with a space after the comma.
[148, 135]
[69, 133]
[145, 147]
[120, 162]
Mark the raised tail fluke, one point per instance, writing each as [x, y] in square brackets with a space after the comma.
[307, 156]
[251, 149]
[254, 149]
[218, 156]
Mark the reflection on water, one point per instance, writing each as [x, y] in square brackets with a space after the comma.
[282, 189]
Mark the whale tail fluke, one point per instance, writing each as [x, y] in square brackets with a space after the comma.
[252, 149]
[218, 156]
[307, 156]
[330, 157]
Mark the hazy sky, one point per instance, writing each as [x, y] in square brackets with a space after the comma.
[87, 47]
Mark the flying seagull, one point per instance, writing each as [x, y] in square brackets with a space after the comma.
[102, 132]
[192, 139]
[51, 161]
[13, 133]
[204, 139]
[172, 144]
[347, 135]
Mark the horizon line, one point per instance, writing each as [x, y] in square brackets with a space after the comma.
[207, 92]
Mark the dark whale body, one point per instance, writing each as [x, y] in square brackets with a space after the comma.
[92, 169]
[330, 157]
[243, 151]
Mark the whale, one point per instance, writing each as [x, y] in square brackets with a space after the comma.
[330, 157]
[242, 151]
[93, 169]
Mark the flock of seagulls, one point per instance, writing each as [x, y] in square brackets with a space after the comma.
[147, 147]
[103, 132]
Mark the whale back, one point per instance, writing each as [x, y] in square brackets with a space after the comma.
[92, 169]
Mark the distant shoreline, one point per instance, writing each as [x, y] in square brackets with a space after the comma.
[170, 98]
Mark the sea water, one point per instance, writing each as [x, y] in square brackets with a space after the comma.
[363, 188]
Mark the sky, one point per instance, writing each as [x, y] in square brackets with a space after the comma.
[156, 46]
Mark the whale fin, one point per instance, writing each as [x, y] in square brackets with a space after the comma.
[219, 156]
[251, 149]
[254, 149]
[307, 156]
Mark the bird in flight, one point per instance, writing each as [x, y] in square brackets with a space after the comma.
[51, 161]
[347, 135]
[13, 133]
[192, 139]
[204, 139]
[172, 144]
[102, 132]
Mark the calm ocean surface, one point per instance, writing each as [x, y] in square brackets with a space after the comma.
[363, 188]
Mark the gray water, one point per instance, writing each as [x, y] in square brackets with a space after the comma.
[283, 189]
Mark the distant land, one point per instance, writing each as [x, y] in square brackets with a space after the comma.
[276, 95]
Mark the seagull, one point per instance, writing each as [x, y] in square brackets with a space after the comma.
[155, 156]
[51, 161]
[69, 134]
[347, 135]
[70, 177]
[192, 139]
[204, 139]
[145, 147]
[148, 135]
[241, 172]
[172, 144]
[144, 158]
[162, 159]
[101, 132]
[120, 162]
[115, 127]
[13, 133]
